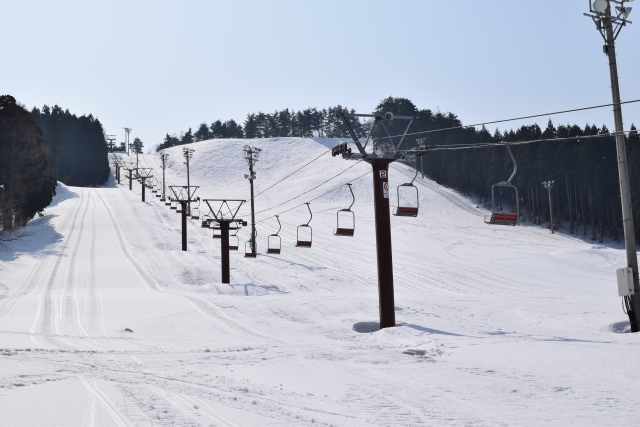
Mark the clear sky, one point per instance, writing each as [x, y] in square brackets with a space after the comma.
[163, 66]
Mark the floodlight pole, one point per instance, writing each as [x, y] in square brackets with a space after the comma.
[549, 186]
[609, 35]
[251, 156]
[164, 158]
[126, 138]
[188, 154]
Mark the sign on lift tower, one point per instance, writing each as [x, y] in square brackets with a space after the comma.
[379, 161]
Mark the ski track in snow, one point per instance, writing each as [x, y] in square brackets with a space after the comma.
[111, 324]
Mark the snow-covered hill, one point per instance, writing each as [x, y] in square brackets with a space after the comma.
[105, 321]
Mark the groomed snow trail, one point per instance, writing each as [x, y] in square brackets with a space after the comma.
[104, 321]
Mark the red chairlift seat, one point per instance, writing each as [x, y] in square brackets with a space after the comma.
[305, 242]
[505, 218]
[502, 218]
[195, 213]
[233, 242]
[247, 251]
[410, 191]
[344, 218]
[274, 242]
[406, 211]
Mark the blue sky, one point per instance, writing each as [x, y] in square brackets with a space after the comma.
[162, 66]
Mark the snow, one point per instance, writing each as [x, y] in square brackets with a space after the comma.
[498, 325]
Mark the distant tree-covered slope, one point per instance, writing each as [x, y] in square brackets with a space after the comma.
[584, 170]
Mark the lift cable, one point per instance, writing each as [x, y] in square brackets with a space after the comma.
[510, 120]
[301, 167]
[308, 191]
[502, 143]
[315, 198]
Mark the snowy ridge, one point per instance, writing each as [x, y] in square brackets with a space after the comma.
[104, 321]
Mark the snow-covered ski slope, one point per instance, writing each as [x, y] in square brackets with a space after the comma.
[104, 321]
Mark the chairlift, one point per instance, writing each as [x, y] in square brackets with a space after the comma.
[179, 208]
[234, 241]
[407, 193]
[217, 233]
[346, 219]
[195, 213]
[274, 242]
[247, 250]
[173, 205]
[304, 233]
[205, 223]
[504, 218]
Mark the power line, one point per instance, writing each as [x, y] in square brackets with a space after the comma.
[513, 119]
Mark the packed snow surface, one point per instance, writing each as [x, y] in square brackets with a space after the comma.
[104, 321]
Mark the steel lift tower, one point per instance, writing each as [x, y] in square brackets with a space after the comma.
[380, 161]
[225, 222]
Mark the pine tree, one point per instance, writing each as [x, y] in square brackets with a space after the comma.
[202, 134]
[137, 146]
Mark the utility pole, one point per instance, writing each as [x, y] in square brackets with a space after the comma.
[163, 157]
[188, 154]
[251, 155]
[601, 15]
[110, 142]
[126, 138]
[379, 162]
[549, 186]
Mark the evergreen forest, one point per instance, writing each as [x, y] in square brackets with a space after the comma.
[38, 148]
[585, 195]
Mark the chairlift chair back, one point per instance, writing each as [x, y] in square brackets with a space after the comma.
[408, 191]
[346, 219]
[304, 240]
[247, 250]
[274, 242]
[504, 218]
